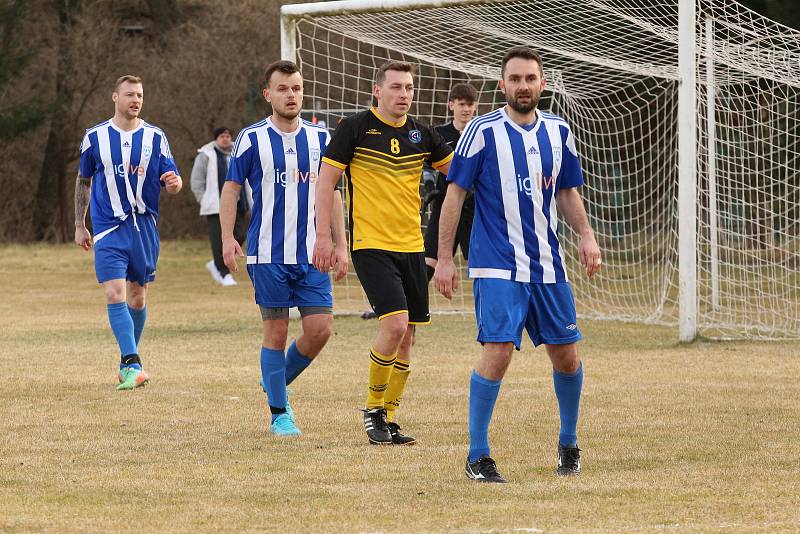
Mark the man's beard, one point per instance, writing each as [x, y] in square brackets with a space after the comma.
[131, 114]
[289, 116]
[522, 108]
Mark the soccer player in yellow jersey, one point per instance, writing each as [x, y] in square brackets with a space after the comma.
[381, 151]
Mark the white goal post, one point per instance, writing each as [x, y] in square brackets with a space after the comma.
[687, 119]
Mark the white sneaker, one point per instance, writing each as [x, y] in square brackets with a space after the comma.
[228, 280]
[214, 272]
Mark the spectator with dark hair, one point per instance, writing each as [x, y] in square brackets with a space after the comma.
[208, 177]
[462, 103]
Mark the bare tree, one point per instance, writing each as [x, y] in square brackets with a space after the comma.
[85, 45]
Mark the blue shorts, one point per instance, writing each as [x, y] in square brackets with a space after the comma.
[279, 285]
[504, 307]
[128, 252]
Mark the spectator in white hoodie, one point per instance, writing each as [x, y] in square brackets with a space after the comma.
[208, 177]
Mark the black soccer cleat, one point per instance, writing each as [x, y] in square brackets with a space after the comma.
[569, 461]
[483, 470]
[376, 427]
[397, 437]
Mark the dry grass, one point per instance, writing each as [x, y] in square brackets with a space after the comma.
[687, 438]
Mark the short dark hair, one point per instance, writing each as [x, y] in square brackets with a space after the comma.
[126, 78]
[402, 66]
[282, 65]
[524, 52]
[463, 91]
[221, 130]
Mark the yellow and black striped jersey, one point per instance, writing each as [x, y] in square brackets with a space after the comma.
[383, 161]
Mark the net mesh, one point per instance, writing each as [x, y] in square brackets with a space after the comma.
[613, 74]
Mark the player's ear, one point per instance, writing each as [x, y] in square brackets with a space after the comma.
[114, 97]
[376, 90]
[265, 92]
[501, 86]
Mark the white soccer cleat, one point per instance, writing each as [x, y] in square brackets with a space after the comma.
[214, 272]
[228, 281]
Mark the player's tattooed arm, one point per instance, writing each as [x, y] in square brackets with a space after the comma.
[83, 191]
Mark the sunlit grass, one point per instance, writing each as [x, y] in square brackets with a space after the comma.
[700, 437]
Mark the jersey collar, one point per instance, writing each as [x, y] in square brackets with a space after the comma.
[519, 128]
[271, 124]
[387, 121]
[124, 132]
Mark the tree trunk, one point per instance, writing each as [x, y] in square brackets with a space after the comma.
[49, 219]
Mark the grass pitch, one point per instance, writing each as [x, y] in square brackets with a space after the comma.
[688, 438]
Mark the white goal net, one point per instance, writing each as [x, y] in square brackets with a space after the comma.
[613, 74]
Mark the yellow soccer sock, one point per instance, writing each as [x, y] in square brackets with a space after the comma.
[380, 368]
[397, 382]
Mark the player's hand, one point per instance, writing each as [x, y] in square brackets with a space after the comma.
[323, 253]
[83, 238]
[231, 249]
[340, 261]
[589, 253]
[445, 278]
[172, 182]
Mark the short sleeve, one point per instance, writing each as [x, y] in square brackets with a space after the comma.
[166, 162]
[324, 141]
[441, 153]
[570, 174]
[464, 171]
[87, 164]
[241, 159]
[469, 154]
[342, 144]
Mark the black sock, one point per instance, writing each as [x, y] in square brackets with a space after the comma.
[131, 359]
[276, 411]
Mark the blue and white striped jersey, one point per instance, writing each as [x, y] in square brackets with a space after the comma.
[516, 173]
[126, 169]
[282, 169]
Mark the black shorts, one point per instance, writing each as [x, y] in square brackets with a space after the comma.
[395, 282]
[462, 232]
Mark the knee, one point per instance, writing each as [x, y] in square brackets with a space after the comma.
[136, 301]
[568, 366]
[320, 334]
[494, 360]
[395, 327]
[565, 359]
[114, 294]
[409, 338]
[136, 295]
[275, 335]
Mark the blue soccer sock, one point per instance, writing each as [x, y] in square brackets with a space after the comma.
[568, 392]
[296, 362]
[273, 376]
[482, 396]
[122, 326]
[139, 317]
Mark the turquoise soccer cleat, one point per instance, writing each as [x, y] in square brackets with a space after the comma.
[283, 425]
